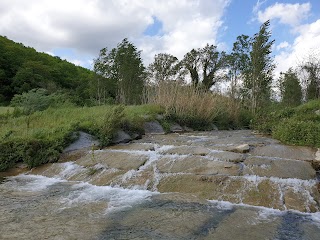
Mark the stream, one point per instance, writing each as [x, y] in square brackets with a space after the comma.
[193, 185]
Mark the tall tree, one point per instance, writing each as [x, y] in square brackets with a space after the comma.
[258, 76]
[238, 62]
[312, 68]
[124, 66]
[290, 89]
[205, 62]
[165, 67]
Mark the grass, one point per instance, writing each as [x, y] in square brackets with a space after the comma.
[297, 126]
[40, 137]
[195, 107]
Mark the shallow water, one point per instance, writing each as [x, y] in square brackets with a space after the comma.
[105, 200]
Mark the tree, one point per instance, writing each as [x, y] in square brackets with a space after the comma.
[165, 67]
[124, 66]
[290, 89]
[207, 62]
[238, 62]
[312, 69]
[259, 73]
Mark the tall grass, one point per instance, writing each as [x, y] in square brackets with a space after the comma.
[193, 106]
[40, 137]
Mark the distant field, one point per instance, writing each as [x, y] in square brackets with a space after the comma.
[4, 110]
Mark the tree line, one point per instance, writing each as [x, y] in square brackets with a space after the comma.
[119, 75]
[248, 70]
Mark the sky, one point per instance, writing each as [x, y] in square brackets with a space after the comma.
[76, 30]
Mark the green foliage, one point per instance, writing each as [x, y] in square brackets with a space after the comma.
[206, 61]
[53, 129]
[165, 67]
[23, 69]
[258, 75]
[290, 89]
[299, 125]
[297, 132]
[38, 100]
[123, 66]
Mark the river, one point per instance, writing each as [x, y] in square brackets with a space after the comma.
[176, 186]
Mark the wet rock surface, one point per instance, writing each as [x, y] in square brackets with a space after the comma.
[175, 186]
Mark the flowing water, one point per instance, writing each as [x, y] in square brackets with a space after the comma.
[176, 186]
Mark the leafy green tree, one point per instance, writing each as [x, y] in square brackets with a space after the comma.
[238, 61]
[312, 68]
[205, 62]
[259, 74]
[123, 65]
[165, 67]
[290, 88]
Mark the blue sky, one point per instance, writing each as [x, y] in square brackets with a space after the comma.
[77, 29]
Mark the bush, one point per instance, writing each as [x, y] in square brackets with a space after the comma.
[293, 131]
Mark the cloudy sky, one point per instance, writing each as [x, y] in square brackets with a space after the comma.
[77, 29]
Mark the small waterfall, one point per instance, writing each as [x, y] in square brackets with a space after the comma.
[192, 186]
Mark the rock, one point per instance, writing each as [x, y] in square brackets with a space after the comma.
[85, 140]
[113, 159]
[176, 128]
[186, 150]
[121, 137]
[243, 148]
[214, 127]
[226, 156]
[136, 136]
[133, 147]
[318, 155]
[317, 112]
[286, 152]
[196, 165]
[285, 168]
[153, 127]
[187, 129]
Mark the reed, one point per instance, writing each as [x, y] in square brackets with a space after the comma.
[192, 106]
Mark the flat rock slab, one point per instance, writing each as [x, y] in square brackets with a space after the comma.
[279, 168]
[246, 224]
[226, 156]
[196, 165]
[253, 191]
[286, 152]
[186, 150]
[134, 147]
[113, 159]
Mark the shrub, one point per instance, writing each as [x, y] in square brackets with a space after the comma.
[293, 131]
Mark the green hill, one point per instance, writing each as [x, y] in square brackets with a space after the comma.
[23, 68]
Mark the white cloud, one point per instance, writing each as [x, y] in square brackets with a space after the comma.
[308, 42]
[282, 45]
[89, 25]
[286, 13]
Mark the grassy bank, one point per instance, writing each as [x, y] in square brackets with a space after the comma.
[296, 126]
[40, 137]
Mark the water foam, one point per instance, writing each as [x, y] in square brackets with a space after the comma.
[116, 197]
[33, 183]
